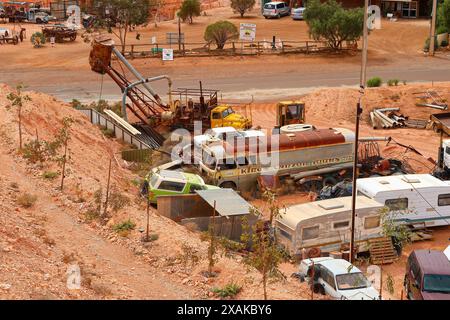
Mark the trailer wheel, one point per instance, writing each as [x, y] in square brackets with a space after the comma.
[329, 181]
[228, 185]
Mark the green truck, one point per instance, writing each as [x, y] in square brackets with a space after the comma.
[168, 182]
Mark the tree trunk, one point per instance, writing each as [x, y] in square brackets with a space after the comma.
[64, 164]
[20, 127]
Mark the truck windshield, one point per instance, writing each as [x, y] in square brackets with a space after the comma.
[436, 283]
[351, 281]
[153, 181]
[227, 112]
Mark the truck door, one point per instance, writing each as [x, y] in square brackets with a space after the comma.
[216, 119]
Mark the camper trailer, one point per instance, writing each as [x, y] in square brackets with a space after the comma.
[326, 224]
[414, 199]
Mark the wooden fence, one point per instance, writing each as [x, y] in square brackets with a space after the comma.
[232, 48]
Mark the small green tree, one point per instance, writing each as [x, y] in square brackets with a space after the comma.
[189, 9]
[330, 21]
[17, 99]
[120, 16]
[62, 139]
[443, 15]
[265, 256]
[220, 32]
[242, 6]
[37, 39]
[399, 233]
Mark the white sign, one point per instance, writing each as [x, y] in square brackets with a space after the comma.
[167, 54]
[154, 40]
[247, 31]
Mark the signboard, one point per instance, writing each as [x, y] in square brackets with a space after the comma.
[172, 37]
[247, 31]
[167, 54]
[153, 39]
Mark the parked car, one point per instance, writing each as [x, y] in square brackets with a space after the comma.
[427, 275]
[2, 13]
[338, 278]
[168, 182]
[275, 10]
[297, 13]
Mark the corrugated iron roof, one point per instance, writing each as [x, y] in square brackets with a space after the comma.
[228, 202]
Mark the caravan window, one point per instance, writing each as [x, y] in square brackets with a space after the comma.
[310, 233]
[371, 222]
[285, 234]
[397, 204]
[444, 199]
[341, 224]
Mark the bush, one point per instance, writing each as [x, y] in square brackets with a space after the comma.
[443, 15]
[127, 225]
[107, 132]
[220, 32]
[374, 82]
[38, 39]
[189, 9]
[441, 29]
[426, 47]
[26, 200]
[50, 175]
[117, 200]
[229, 290]
[444, 43]
[76, 104]
[392, 82]
[330, 21]
[242, 6]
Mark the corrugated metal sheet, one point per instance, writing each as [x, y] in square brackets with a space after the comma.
[228, 202]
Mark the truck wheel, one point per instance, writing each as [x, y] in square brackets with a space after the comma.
[228, 185]
[329, 181]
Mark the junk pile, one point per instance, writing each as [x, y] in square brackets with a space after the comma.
[387, 118]
[431, 99]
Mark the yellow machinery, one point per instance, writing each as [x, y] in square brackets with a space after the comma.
[290, 112]
[225, 116]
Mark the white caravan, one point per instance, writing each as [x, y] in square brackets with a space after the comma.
[415, 198]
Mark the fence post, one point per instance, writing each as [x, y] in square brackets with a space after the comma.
[307, 47]
[234, 47]
[282, 46]
[257, 48]
[184, 50]
[132, 51]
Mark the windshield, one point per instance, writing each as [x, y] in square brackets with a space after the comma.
[352, 281]
[227, 112]
[436, 283]
[153, 180]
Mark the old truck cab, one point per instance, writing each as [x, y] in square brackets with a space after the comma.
[290, 112]
[225, 116]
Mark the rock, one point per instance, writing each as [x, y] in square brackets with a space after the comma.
[184, 281]
[5, 286]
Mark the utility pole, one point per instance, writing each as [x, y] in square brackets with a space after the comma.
[432, 28]
[362, 85]
[179, 34]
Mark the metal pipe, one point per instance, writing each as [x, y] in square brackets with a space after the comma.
[139, 76]
[143, 81]
[338, 167]
[366, 139]
[386, 118]
[388, 109]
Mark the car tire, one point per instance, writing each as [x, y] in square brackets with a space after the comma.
[38, 21]
[228, 185]
[278, 16]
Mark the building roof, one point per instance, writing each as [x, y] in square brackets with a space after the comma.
[297, 213]
[371, 186]
[228, 202]
[433, 261]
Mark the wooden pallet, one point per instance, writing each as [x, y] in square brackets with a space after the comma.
[382, 251]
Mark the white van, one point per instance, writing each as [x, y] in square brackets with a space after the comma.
[413, 198]
[276, 9]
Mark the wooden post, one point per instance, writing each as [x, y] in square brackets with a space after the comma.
[107, 189]
[312, 280]
[147, 236]
[132, 51]
[20, 127]
[307, 48]
[212, 235]
[432, 28]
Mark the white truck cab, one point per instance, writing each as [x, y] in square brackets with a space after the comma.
[446, 154]
[338, 278]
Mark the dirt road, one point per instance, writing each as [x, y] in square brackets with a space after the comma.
[394, 52]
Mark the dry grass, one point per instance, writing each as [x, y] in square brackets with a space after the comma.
[26, 200]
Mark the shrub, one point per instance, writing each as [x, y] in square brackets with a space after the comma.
[393, 82]
[38, 39]
[50, 175]
[117, 200]
[189, 9]
[374, 82]
[443, 15]
[26, 200]
[229, 290]
[220, 32]
[127, 225]
[242, 6]
[76, 104]
[444, 43]
[330, 21]
[426, 47]
[441, 29]
[107, 132]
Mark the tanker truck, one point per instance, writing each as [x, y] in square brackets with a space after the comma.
[310, 159]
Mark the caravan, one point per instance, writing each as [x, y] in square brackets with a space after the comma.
[419, 198]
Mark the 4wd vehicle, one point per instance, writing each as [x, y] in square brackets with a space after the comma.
[60, 32]
[168, 182]
[338, 278]
[275, 10]
[427, 275]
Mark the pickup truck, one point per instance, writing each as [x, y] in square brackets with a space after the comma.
[441, 121]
